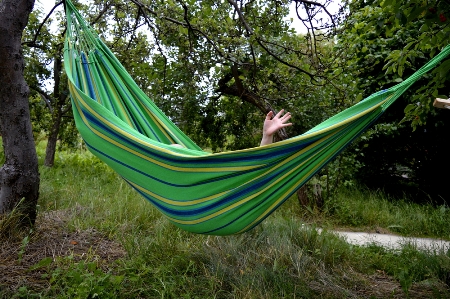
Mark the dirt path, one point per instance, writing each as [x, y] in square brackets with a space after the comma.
[393, 241]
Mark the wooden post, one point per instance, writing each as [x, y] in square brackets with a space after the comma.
[442, 103]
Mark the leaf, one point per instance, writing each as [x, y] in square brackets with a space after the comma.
[409, 45]
[444, 68]
[435, 93]
[42, 263]
[398, 80]
[400, 73]
[417, 10]
[359, 97]
[424, 28]
[409, 107]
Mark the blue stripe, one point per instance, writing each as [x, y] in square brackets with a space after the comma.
[131, 100]
[85, 64]
[210, 159]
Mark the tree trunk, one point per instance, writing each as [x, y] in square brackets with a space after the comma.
[19, 175]
[52, 139]
[57, 112]
[302, 195]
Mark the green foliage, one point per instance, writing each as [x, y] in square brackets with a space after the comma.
[431, 34]
[187, 64]
[388, 41]
[397, 37]
[84, 280]
[40, 115]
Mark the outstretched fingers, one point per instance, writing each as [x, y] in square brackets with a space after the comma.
[286, 117]
[279, 114]
[269, 115]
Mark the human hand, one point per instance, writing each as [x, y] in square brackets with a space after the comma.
[273, 123]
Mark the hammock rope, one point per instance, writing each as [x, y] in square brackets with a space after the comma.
[219, 194]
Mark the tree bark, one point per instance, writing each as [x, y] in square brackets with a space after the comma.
[19, 175]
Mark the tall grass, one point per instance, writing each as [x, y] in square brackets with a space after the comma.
[281, 258]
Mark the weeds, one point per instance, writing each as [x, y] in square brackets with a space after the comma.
[12, 225]
[23, 246]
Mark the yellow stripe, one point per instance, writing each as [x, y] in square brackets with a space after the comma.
[228, 208]
[117, 98]
[270, 209]
[175, 202]
[162, 127]
[124, 133]
[277, 202]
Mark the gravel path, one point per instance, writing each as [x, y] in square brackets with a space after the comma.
[393, 241]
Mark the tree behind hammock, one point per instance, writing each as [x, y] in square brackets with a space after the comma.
[19, 175]
[389, 42]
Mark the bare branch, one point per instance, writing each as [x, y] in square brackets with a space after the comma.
[323, 7]
[32, 43]
[186, 19]
[136, 23]
[298, 2]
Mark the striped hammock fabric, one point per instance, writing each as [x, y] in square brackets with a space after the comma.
[219, 194]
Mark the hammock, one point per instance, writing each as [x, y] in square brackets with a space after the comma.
[219, 194]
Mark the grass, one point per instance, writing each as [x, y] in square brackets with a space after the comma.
[95, 237]
[361, 208]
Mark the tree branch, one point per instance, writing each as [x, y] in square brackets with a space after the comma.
[298, 2]
[32, 43]
[260, 42]
[134, 28]
[102, 12]
[186, 25]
